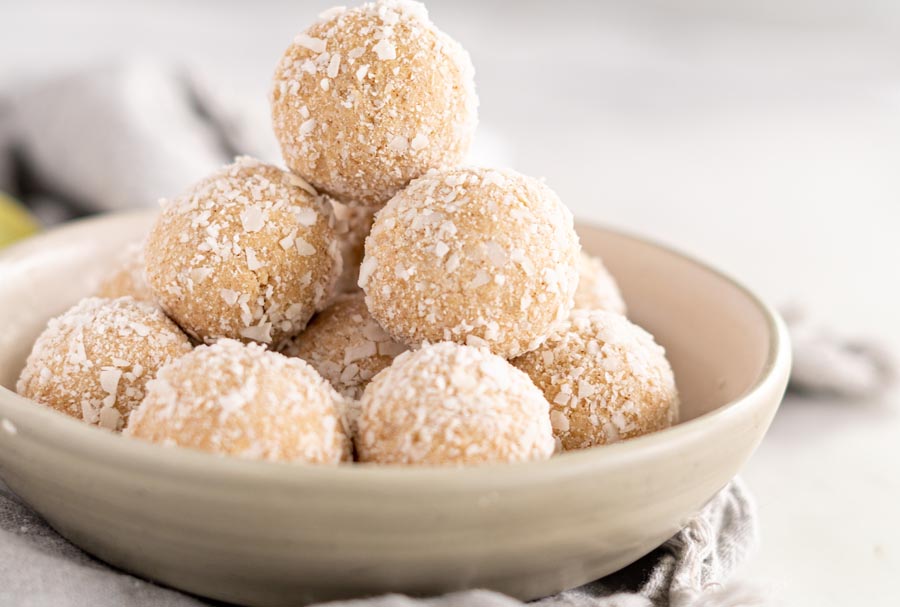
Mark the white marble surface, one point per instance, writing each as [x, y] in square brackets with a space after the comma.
[764, 137]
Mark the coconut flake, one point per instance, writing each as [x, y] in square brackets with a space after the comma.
[253, 218]
[360, 351]
[316, 45]
[585, 390]
[303, 247]
[390, 348]
[452, 263]
[230, 297]
[109, 418]
[253, 262]
[419, 142]
[495, 253]
[481, 278]
[109, 381]
[288, 241]
[398, 144]
[261, 332]
[307, 217]
[559, 421]
[385, 49]
[561, 398]
[365, 271]
[334, 65]
[373, 332]
[306, 127]
[296, 180]
[475, 341]
[198, 275]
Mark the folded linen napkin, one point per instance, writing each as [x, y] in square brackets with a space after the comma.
[119, 136]
[39, 568]
[124, 135]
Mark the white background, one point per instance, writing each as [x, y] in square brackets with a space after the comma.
[764, 138]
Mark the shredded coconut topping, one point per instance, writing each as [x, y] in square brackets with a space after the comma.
[606, 380]
[93, 362]
[447, 404]
[239, 249]
[345, 345]
[243, 400]
[383, 59]
[475, 256]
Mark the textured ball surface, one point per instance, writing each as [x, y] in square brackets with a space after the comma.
[94, 361]
[597, 289]
[371, 97]
[243, 400]
[128, 278]
[345, 345]
[447, 404]
[248, 253]
[476, 256]
[352, 225]
[605, 378]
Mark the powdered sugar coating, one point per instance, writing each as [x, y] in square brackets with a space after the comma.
[482, 257]
[129, 277]
[597, 289]
[248, 253]
[243, 400]
[94, 361]
[345, 345]
[352, 224]
[605, 378]
[372, 97]
[447, 404]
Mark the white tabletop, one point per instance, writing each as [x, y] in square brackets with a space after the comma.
[764, 138]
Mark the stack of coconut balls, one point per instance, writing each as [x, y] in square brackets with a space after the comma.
[375, 301]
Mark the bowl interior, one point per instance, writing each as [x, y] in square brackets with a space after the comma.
[716, 335]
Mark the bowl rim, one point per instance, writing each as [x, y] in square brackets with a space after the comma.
[63, 432]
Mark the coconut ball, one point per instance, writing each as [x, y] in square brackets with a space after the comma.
[597, 289]
[606, 380]
[476, 256]
[128, 278]
[371, 97]
[248, 253]
[244, 400]
[345, 345]
[352, 225]
[94, 361]
[447, 404]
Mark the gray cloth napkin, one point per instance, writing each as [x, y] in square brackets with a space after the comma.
[124, 135]
[830, 363]
[119, 136]
[39, 568]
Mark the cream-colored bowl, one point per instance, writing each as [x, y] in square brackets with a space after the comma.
[275, 534]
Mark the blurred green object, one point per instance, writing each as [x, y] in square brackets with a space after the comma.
[15, 222]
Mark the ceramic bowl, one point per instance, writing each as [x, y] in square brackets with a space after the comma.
[277, 534]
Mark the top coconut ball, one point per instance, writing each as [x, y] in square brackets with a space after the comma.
[372, 97]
